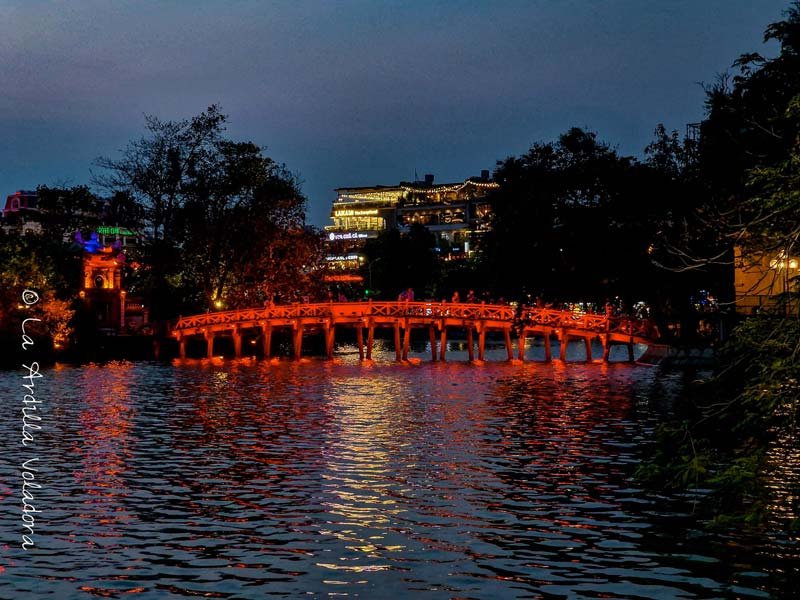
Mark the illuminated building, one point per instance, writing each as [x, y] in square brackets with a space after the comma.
[456, 213]
[760, 278]
[102, 292]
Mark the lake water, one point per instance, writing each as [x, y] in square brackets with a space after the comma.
[251, 479]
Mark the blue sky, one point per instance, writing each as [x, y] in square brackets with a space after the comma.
[355, 92]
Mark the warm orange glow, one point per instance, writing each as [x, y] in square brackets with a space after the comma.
[344, 278]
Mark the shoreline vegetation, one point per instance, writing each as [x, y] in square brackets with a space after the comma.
[222, 225]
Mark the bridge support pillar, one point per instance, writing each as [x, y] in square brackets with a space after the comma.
[481, 343]
[443, 344]
[237, 343]
[606, 347]
[298, 341]
[470, 345]
[521, 342]
[266, 340]
[182, 347]
[432, 338]
[588, 344]
[370, 338]
[548, 349]
[509, 349]
[563, 340]
[406, 341]
[360, 341]
[209, 344]
[397, 348]
[630, 351]
[330, 339]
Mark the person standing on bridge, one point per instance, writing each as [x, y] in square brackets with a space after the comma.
[456, 298]
[410, 294]
[471, 299]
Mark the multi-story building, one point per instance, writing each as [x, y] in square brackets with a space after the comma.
[456, 213]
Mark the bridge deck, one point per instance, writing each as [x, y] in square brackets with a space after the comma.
[403, 317]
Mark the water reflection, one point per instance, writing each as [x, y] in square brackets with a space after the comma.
[245, 479]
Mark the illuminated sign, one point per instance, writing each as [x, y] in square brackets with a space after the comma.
[350, 235]
[104, 230]
[342, 257]
[356, 212]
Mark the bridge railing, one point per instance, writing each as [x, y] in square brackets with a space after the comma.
[598, 323]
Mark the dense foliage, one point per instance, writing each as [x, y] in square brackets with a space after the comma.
[576, 221]
[224, 224]
[394, 262]
[749, 160]
[52, 269]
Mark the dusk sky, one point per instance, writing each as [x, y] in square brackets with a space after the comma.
[357, 93]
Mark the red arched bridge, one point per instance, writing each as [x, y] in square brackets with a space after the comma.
[402, 317]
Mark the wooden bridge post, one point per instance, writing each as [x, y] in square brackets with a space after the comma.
[470, 344]
[370, 336]
[406, 340]
[397, 349]
[209, 344]
[360, 340]
[509, 349]
[298, 340]
[606, 347]
[432, 337]
[630, 351]
[521, 349]
[182, 347]
[481, 342]
[563, 340]
[588, 344]
[266, 339]
[330, 339]
[237, 342]
[443, 343]
[548, 351]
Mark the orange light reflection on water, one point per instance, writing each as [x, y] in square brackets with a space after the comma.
[104, 443]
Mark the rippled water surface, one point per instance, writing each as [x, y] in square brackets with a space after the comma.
[246, 479]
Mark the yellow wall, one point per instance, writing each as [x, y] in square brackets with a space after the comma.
[759, 277]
